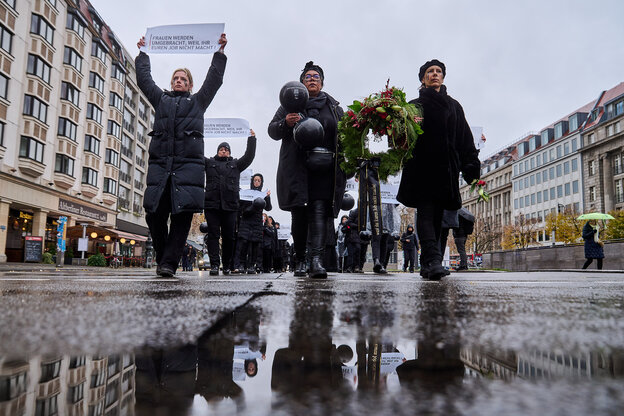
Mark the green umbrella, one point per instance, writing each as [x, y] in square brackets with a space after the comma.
[595, 216]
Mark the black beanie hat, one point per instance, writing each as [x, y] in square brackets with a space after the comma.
[423, 69]
[311, 67]
[226, 145]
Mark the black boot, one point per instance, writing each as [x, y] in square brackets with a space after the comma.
[378, 267]
[214, 270]
[317, 271]
[300, 268]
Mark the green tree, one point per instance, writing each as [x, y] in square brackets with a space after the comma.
[521, 234]
[615, 228]
[566, 227]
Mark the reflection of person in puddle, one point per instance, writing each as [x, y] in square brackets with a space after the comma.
[309, 371]
[438, 365]
[249, 347]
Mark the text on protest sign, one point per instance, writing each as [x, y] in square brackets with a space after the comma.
[200, 38]
[225, 127]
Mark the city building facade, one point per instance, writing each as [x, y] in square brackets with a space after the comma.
[73, 130]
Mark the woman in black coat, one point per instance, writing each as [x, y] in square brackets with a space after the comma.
[175, 180]
[222, 201]
[593, 246]
[430, 180]
[269, 240]
[250, 227]
[310, 197]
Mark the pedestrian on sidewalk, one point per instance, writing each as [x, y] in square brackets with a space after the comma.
[175, 180]
[593, 245]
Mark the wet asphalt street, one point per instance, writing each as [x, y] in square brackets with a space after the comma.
[475, 343]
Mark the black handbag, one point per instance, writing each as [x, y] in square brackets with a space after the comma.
[320, 159]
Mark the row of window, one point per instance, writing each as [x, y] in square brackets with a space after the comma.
[545, 175]
[553, 193]
[550, 155]
[540, 215]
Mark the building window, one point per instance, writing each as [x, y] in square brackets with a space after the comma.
[118, 73]
[574, 165]
[559, 191]
[545, 194]
[567, 189]
[590, 138]
[110, 186]
[71, 57]
[2, 133]
[39, 26]
[532, 199]
[4, 86]
[566, 168]
[96, 81]
[77, 361]
[142, 110]
[591, 168]
[116, 101]
[126, 145]
[34, 107]
[98, 51]
[89, 176]
[10, 3]
[552, 193]
[551, 172]
[515, 203]
[98, 379]
[6, 39]
[575, 187]
[74, 23]
[94, 113]
[545, 176]
[47, 406]
[617, 164]
[619, 191]
[574, 145]
[545, 158]
[50, 371]
[114, 129]
[559, 170]
[64, 164]
[592, 193]
[538, 178]
[70, 93]
[67, 129]
[539, 197]
[112, 157]
[92, 144]
[75, 393]
[532, 180]
[38, 67]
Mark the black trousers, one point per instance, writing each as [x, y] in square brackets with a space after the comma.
[460, 243]
[409, 258]
[168, 241]
[267, 259]
[246, 254]
[221, 224]
[589, 261]
[309, 220]
[428, 228]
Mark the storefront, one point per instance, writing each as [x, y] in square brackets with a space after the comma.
[20, 225]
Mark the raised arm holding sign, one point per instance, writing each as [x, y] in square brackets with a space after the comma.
[175, 172]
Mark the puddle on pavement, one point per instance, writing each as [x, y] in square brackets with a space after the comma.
[311, 360]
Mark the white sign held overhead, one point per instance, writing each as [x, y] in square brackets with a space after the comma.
[225, 128]
[202, 38]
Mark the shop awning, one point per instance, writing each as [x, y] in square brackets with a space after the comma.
[76, 232]
[130, 236]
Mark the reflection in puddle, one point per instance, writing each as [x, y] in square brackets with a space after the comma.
[255, 361]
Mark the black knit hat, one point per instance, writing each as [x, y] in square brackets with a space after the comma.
[226, 145]
[311, 67]
[423, 69]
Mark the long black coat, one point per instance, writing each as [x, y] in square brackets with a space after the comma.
[292, 174]
[223, 178]
[250, 224]
[593, 250]
[176, 149]
[444, 149]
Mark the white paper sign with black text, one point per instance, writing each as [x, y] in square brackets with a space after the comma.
[202, 38]
[224, 128]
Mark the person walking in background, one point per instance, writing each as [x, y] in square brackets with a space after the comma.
[353, 242]
[341, 244]
[175, 180]
[222, 201]
[410, 247]
[593, 245]
[466, 227]
[311, 197]
[430, 179]
[268, 244]
[251, 223]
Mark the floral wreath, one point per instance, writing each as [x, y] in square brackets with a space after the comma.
[386, 113]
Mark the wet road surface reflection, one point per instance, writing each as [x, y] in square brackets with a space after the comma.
[314, 358]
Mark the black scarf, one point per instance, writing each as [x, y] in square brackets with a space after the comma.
[315, 104]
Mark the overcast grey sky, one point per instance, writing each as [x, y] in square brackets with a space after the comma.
[515, 66]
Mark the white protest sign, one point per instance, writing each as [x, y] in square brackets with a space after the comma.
[238, 371]
[250, 194]
[225, 127]
[245, 178]
[478, 137]
[283, 233]
[200, 38]
[390, 361]
[388, 193]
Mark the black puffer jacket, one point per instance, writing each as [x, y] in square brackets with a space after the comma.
[250, 224]
[444, 149]
[292, 174]
[176, 149]
[223, 178]
[409, 235]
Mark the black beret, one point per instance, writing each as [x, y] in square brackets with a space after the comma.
[423, 69]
